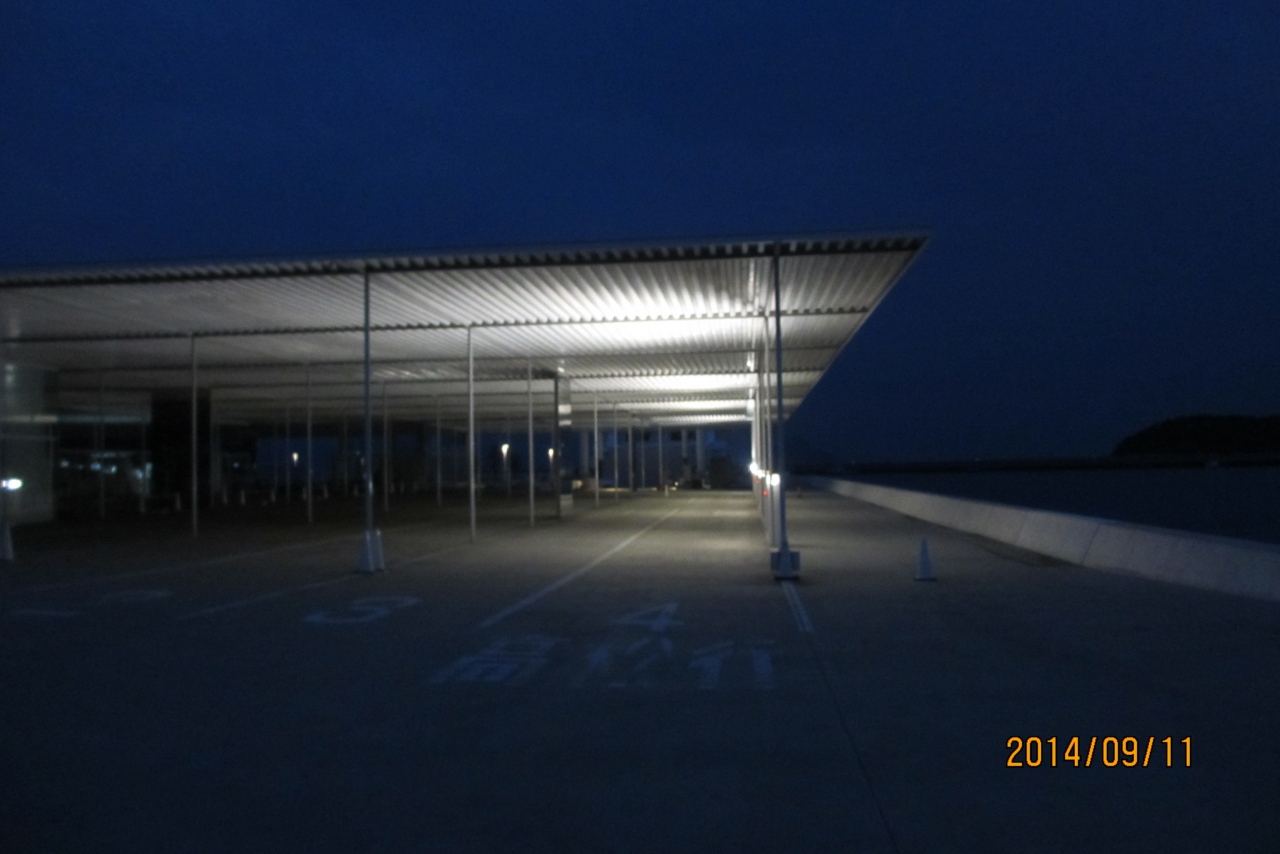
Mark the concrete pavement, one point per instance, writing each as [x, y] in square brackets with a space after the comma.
[629, 679]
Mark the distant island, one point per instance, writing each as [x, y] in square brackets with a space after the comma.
[1205, 436]
[1190, 441]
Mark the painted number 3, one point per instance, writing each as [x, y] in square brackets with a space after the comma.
[364, 610]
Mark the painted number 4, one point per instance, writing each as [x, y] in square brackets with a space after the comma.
[656, 619]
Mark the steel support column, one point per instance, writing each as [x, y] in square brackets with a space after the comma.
[786, 564]
[288, 454]
[346, 461]
[426, 459]
[700, 455]
[144, 488]
[684, 455]
[662, 464]
[532, 479]
[595, 442]
[213, 453]
[553, 456]
[195, 443]
[6, 530]
[506, 457]
[439, 459]
[100, 439]
[616, 490]
[275, 458]
[371, 553]
[386, 452]
[631, 456]
[311, 517]
[471, 430]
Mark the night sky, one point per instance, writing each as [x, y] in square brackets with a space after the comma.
[1100, 183]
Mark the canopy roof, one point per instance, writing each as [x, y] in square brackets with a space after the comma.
[670, 334]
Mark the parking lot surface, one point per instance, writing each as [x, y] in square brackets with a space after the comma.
[627, 679]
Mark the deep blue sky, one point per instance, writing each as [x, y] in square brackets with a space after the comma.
[1100, 179]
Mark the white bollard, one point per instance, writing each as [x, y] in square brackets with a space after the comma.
[371, 559]
[924, 565]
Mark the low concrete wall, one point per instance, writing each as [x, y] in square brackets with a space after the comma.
[1198, 560]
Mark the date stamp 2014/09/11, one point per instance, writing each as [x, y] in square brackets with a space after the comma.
[1128, 752]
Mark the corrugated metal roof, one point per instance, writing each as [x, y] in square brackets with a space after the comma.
[663, 329]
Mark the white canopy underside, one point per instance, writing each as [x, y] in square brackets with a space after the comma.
[667, 335]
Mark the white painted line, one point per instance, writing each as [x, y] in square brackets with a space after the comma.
[43, 612]
[266, 597]
[797, 607]
[193, 565]
[276, 594]
[582, 570]
[427, 556]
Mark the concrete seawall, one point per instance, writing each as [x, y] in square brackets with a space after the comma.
[1223, 564]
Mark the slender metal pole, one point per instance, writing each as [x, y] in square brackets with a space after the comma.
[6, 534]
[311, 517]
[371, 556]
[553, 457]
[471, 430]
[616, 485]
[214, 479]
[101, 442]
[763, 459]
[662, 465]
[684, 455]
[195, 444]
[771, 498]
[346, 462]
[144, 485]
[439, 459]
[699, 455]
[595, 444]
[644, 457]
[288, 454]
[532, 513]
[386, 452]
[785, 563]
[275, 458]
[367, 467]
[631, 456]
